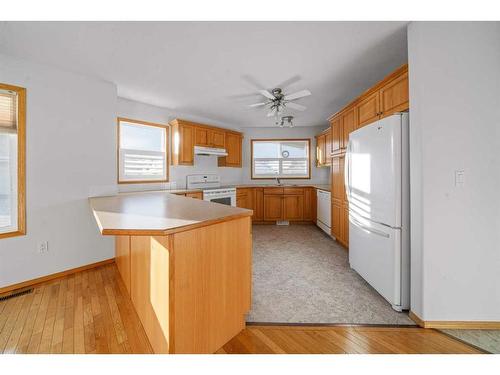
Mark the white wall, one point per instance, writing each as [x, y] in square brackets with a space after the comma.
[70, 152]
[203, 164]
[318, 175]
[455, 115]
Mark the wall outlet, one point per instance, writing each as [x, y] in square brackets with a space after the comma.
[43, 247]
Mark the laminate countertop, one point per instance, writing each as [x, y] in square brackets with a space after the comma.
[157, 213]
[325, 187]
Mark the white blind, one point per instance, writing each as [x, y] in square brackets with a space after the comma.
[276, 158]
[142, 152]
[8, 110]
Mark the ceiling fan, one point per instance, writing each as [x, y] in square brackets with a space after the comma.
[277, 101]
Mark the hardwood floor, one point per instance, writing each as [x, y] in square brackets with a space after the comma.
[90, 312]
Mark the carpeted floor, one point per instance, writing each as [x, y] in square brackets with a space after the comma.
[300, 275]
[487, 339]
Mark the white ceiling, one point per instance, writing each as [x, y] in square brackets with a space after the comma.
[213, 69]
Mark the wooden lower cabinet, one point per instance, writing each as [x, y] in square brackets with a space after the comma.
[191, 289]
[295, 204]
[293, 207]
[244, 198]
[258, 206]
[273, 207]
[345, 218]
[196, 195]
[336, 220]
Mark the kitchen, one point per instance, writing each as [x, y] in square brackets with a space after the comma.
[217, 209]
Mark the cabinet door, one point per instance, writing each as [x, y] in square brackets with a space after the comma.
[310, 204]
[186, 146]
[244, 198]
[122, 258]
[394, 96]
[293, 207]
[273, 207]
[336, 127]
[368, 110]
[336, 221]
[338, 180]
[217, 138]
[348, 125]
[345, 218]
[201, 136]
[258, 207]
[320, 150]
[328, 147]
[233, 148]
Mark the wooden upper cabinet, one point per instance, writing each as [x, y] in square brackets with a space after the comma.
[201, 136]
[383, 99]
[185, 135]
[336, 129]
[368, 109]
[320, 150]
[394, 96]
[183, 140]
[217, 138]
[328, 147]
[233, 147]
[348, 125]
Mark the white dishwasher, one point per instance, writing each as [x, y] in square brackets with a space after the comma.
[324, 210]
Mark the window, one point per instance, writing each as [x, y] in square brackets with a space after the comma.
[12, 156]
[142, 152]
[283, 158]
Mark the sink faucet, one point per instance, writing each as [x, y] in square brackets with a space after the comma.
[278, 181]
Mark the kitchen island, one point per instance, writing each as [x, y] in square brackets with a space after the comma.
[186, 264]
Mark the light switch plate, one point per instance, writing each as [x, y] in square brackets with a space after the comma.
[459, 178]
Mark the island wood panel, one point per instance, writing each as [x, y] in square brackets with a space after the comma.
[150, 266]
[211, 285]
[122, 258]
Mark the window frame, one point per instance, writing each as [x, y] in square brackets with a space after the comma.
[21, 160]
[308, 140]
[167, 156]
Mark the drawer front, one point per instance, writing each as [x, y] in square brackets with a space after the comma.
[293, 190]
[273, 190]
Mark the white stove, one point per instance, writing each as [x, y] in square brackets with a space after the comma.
[212, 190]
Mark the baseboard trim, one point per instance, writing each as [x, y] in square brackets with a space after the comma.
[442, 324]
[39, 280]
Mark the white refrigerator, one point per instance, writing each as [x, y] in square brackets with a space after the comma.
[377, 184]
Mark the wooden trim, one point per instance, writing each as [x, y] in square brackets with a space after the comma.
[167, 149]
[281, 139]
[39, 280]
[443, 324]
[377, 86]
[21, 160]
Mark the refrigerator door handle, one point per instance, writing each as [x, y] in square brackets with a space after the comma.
[347, 177]
[371, 230]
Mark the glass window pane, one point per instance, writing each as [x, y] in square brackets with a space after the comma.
[142, 154]
[295, 149]
[266, 150]
[141, 137]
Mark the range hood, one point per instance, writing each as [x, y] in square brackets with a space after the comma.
[200, 150]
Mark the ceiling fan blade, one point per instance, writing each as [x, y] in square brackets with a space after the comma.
[267, 94]
[298, 94]
[257, 104]
[296, 106]
[272, 112]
